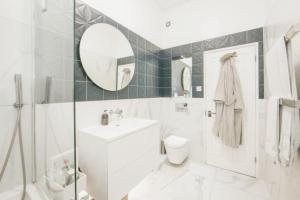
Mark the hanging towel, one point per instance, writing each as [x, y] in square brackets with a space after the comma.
[104, 65]
[278, 70]
[126, 77]
[279, 83]
[295, 136]
[272, 129]
[285, 145]
[229, 105]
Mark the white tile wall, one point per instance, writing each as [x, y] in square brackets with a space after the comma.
[190, 125]
[187, 125]
[17, 10]
[16, 57]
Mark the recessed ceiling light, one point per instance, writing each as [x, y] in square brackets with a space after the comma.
[168, 24]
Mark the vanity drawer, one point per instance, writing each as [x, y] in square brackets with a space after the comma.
[126, 150]
[131, 175]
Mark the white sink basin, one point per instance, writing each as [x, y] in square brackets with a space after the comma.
[117, 130]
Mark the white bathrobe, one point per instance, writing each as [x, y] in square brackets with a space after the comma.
[229, 105]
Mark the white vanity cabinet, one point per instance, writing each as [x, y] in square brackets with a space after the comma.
[118, 156]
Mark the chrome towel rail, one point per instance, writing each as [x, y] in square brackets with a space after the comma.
[289, 103]
[294, 30]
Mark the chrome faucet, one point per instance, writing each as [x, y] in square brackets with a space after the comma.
[118, 112]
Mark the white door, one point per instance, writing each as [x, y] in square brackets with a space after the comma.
[242, 159]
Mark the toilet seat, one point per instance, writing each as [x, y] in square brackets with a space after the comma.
[175, 142]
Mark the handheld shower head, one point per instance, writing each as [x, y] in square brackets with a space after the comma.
[19, 96]
[47, 90]
[17, 131]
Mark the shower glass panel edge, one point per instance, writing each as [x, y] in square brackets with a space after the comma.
[54, 114]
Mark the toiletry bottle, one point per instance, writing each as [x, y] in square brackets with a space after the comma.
[59, 176]
[104, 118]
[65, 170]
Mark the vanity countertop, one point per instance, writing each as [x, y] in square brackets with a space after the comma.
[118, 129]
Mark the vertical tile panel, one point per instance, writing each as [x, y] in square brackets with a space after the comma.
[124, 93]
[94, 93]
[109, 95]
[80, 91]
[79, 73]
[133, 92]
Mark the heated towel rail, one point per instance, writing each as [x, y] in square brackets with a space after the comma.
[294, 30]
[290, 103]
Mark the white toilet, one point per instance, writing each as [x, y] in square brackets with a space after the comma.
[177, 149]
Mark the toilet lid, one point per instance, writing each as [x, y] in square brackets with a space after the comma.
[175, 141]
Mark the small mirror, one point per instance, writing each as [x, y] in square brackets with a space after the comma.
[182, 76]
[186, 78]
[107, 57]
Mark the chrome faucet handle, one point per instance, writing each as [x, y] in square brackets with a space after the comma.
[119, 111]
[110, 111]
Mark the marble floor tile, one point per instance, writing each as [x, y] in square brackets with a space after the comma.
[222, 191]
[198, 182]
[203, 170]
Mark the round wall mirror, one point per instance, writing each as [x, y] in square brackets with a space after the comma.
[107, 57]
[186, 79]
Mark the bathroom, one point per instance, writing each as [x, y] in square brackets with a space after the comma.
[116, 100]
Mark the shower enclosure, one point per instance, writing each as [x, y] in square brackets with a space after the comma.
[37, 140]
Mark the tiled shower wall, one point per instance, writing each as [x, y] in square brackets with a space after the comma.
[152, 76]
[36, 45]
[146, 80]
[195, 50]
[16, 58]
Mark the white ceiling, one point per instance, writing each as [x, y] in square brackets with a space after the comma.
[168, 4]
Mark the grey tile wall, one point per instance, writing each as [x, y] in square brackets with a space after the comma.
[145, 83]
[152, 76]
[196, 51]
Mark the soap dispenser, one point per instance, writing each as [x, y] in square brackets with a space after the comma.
[104, 118]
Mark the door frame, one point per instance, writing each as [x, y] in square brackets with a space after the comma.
[256, 136]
